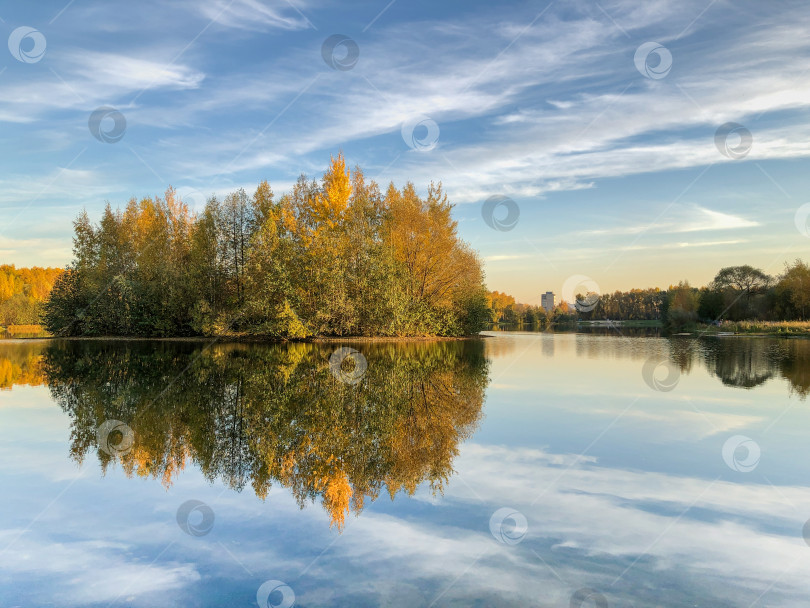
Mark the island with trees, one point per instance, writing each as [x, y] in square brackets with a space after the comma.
[331, 258]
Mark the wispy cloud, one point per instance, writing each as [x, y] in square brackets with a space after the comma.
[254, 15]
[715, 220]
[506, 257]
[570, 135]
[692, 218]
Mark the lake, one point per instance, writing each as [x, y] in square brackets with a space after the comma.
[522, 469]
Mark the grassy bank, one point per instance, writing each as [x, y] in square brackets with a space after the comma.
[775, 328]
[237, 337]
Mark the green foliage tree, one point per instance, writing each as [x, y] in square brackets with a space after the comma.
[793, 289]
[682, 305]
[712, 305]
[740, 286]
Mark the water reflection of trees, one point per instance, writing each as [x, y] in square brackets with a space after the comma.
[738, 362]
[258, 414]
[750, 362]
[793, 359]
[264, 414]
[20, 363]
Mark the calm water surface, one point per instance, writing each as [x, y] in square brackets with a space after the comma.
[523, 469]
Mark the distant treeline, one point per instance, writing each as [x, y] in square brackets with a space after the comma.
[736, 293]
[741, 293]
[504, 309]
[335, 257]
[636, 304]
[23, 292]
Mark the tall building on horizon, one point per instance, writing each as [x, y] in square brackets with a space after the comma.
[547, 301]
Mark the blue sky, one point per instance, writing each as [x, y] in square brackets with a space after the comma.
[611, 160]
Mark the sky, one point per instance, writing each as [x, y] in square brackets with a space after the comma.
[610, 144]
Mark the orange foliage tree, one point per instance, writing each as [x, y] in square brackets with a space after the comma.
[23, 292]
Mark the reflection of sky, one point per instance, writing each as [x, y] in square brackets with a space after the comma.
[649, 515]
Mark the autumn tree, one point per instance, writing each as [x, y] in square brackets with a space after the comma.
[333, 257]
[682, 305]
[23, 292]
[794, 287]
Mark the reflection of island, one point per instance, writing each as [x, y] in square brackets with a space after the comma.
[263, 413]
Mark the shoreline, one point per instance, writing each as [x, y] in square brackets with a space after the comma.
[252, 339]
[701, 332]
